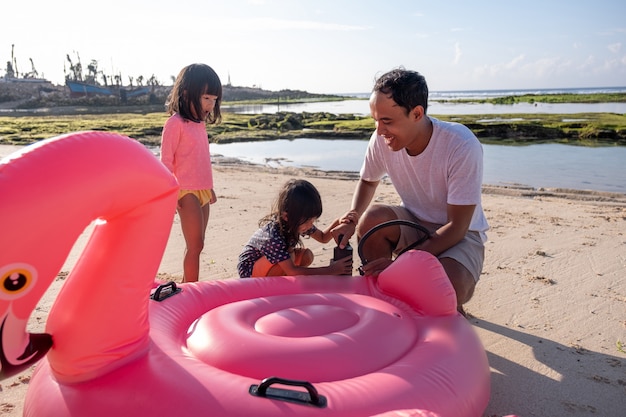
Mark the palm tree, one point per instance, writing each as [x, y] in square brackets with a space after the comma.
[92, 68]
[75, 69]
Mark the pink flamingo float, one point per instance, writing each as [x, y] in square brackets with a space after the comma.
[281, 346]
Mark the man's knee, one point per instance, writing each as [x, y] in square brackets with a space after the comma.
[461, 279]
[381, 243]
[373, 216]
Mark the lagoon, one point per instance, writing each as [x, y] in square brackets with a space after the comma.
[540, 165]
[361, 107]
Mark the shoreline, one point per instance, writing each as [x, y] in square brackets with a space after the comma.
[516, 190]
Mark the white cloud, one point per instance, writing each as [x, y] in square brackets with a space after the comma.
[457, 53]
[257, 24]
[519, 69]
[545, 67]
[589, 62]
[615, 47]
[495, 69]
[514, 62]
[609, 65]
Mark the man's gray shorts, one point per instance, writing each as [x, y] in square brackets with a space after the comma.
[469, 252]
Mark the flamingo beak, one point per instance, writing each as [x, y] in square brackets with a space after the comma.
[36, 348]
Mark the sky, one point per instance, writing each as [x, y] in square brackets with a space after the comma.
[326, 46]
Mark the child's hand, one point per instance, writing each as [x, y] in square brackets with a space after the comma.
[346, 230]
[341, 266]
[213, 197]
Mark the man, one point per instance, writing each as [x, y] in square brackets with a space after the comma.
[436, 168]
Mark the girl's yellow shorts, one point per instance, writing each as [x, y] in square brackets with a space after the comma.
[203, 195]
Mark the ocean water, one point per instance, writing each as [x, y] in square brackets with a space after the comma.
[482, 94]
[504, 93]
[360, 105]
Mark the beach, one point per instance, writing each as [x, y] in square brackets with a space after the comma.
[550, 306]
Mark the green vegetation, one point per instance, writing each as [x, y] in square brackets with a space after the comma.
[548, 98]
[593, 129]
[247, 95]
[147, 127]
[589, 129]
[28, 129]
[145, 122]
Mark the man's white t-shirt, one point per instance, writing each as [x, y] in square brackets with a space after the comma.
[448, 171]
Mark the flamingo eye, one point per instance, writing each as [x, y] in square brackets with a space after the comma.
[16, 280]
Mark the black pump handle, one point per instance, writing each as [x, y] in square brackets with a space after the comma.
[394, 223]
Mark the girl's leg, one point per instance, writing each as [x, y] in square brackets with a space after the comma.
[264, 268]
[302, 257]
[206, 210]
[193, 221]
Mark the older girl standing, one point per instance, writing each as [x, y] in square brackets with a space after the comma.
[193, 102]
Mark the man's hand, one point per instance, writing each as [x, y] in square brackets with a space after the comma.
[375, 267]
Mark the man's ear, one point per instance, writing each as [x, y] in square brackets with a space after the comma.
[417, 112]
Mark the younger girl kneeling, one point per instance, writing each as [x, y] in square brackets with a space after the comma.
[276, 248]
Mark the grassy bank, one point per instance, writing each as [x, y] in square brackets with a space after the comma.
[548, 98]
[588, 129]
[593, 129]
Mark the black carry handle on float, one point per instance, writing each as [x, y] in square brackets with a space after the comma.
[310, 397]
[374, 229]
[164, 291]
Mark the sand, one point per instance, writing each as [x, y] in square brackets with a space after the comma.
[550, 307]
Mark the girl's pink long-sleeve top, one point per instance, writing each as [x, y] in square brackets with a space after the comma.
[185, 152]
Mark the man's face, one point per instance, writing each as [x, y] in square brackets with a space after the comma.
[399, 129]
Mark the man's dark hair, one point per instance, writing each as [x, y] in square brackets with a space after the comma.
[407, 88]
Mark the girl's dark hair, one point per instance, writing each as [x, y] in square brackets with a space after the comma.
[301, 201]
[407, 88]
[191, 84]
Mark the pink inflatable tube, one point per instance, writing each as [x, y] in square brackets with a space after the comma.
[282, 346]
